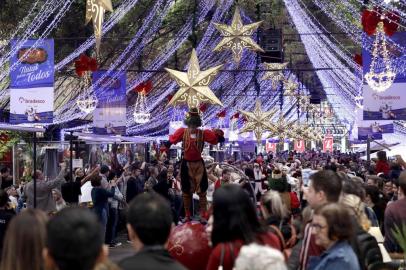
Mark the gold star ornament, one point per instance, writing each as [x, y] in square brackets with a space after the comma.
[275, 73]
[258, 121]
[237, 36]
[282, 129]
[95, 12]
[194, 84]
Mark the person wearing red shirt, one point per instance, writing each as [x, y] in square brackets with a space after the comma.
[382, 166]
[235, 224]
[193, 172]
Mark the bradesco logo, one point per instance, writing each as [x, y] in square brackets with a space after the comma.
[31, 101]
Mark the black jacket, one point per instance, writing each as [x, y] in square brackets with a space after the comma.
[135, 186]
[151, 259]
[367, 249]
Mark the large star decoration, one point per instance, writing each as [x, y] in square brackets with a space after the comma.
[194, 84]
[282, 129]
[95, 12]
[275, 73]
[258, 121]
[290, 88]
[305, 132]
[237, 36]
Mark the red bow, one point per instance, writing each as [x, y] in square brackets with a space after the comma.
[221, 114]
[84, 64]
[235, 116]
[371, 18]
[358, 59]
[144, 88]
[203, 107]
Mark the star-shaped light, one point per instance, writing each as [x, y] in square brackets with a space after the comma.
[237, 36]
[258, 121]
[194, 84]
[305, 132]
[275, 74]
[282, 129]
[290, 88]
[95, 12]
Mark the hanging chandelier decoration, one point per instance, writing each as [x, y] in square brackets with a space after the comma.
[141, 114]
[194, 84]
[95, 12]
[237, 36]
[381, 74]
[275, 73]
[258, 121]
[87, 100]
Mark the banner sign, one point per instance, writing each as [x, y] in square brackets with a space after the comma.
[390, 104]
[375, 130]
[36, 67]
[110, 115]
[32, 82]
[32, 105]
[299, 146]
[372, 129]
[270, 147]
[328, 144]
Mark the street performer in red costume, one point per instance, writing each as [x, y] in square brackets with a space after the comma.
[193, 171]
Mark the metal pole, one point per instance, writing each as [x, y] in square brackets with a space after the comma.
[71, 155]
[35, 169]
[369, 149]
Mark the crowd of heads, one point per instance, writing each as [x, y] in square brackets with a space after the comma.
[336, 195]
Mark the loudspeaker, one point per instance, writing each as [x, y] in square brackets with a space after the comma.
[271, 42]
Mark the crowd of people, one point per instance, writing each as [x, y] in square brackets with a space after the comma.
[289, 210]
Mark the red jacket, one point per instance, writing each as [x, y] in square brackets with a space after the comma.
[232, 249]
[382, 166]
[193, 153]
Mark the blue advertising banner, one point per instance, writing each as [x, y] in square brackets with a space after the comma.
[109, 117]
[36, 67]
[32, 82]
[372, 129]
[390, 104]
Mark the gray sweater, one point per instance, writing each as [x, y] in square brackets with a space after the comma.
[45, 201]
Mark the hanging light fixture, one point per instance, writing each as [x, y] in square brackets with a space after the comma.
[381, 74]
[87, 103]
[141, 114]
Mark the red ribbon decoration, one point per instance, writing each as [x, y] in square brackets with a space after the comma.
[144, 88]
[358, 59]
[84, 64]
[235, 116]
[203, 107]
[371, 18]
[221, 114]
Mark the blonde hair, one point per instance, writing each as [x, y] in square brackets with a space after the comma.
[272, 202]
[257, 257]
[355, 203]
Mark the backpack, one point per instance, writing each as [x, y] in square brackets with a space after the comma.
[288, 244]
[367, 249]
